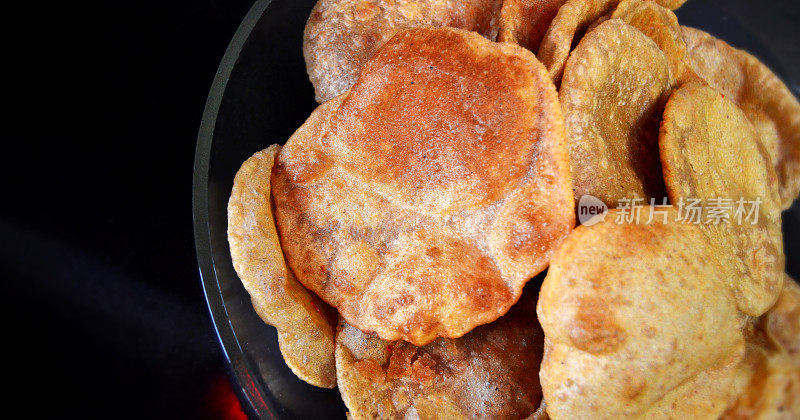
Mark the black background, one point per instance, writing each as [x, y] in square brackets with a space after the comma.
[104, 314]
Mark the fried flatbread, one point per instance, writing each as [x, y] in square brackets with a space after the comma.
[568, 27]
[524, 22]
[438, 188]
[661, 25]
[638, 323]
[571, 20]
[490, 373]
[305, 324]
[710, 151]
[615, 85]
[764, 98]
[341, 35]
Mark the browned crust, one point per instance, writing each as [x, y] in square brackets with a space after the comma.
[439, 187]
[490, 373]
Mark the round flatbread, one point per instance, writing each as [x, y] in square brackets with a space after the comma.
[614, 87]
[710, 151]
[490, 373]
[305, 324]
[341, 35]
[569, 25]
[571, 20]
[766, 100]
[661, 25]
[439, 187]
[638, 323]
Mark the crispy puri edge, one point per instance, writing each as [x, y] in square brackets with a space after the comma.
[324, 89]
[671, 4]
[293, 296]
[554, 151]
[322, 378]
[308, 55]
[321, 117]
[790, 294]
[666, 143]
[558, 152]
[543, 311]
[510, 14]
[321, 375]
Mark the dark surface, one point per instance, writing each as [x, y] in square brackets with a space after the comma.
[105, 315]
[104, 305]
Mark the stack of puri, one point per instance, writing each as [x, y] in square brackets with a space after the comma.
[416, 244]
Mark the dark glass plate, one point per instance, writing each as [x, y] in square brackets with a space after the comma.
[261, 94]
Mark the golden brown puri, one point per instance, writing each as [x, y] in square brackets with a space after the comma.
[638, 323]
[571, 20]
[341, 35]
[661, 25]
[709, 150]
[615, 84]
[771, 369]
[438, 188]
[765, 99]
[568, 26]
[489, 373]
[524, 22]
[305, 324]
